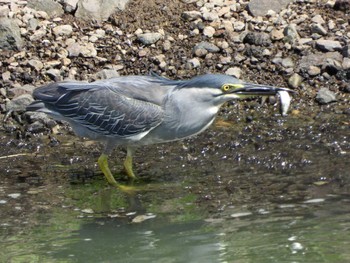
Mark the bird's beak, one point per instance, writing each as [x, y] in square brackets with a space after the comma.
[250, 89]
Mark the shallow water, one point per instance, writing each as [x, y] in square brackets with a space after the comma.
[271, 190]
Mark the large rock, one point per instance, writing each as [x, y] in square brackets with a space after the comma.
[52, 8]
[99, 10]
[260, 7]
[19, 103]
[10, 36]
[325, 96]
[328, 45]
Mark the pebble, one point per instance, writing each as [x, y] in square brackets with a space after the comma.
[318, 29]
[19, 103]
[313, 71]
[277, 34]
[63, 30]
[325, 96]
[210, 47]
[234, 71]
[209, 31]
[191, 15]
[194, 63]
[328, 45]
[149, 38]
[210, 16]
[36, 64]
[295, 80]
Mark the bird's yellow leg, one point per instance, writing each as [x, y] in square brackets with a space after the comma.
[128, 164]
[103, 164]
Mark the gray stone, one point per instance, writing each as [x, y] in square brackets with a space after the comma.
[207, 46]
[261, 7]
[325, 96]
[328, 45]
[6, 76]
[193, 63]
[191, 15]
[54, 74]
[287, 62]
[73, 49]
[317, 59]
[318, 29]
[17, 91]
[318, 19]
[35, 64]
[86, 50]
[10, 36]
[257, 38]
[149, 38]
[97, 10]
[234, 71]
[19, 103]
[107, 74]
[33, 24]
[52, 8]
[210, 16]
[70, 5]
[239, 25]
[291, 34]
[63, 30]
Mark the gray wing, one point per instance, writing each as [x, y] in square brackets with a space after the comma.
[102, 109]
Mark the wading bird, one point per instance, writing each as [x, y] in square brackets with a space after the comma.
[132, 111]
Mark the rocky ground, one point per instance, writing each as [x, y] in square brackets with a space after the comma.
[300, 44]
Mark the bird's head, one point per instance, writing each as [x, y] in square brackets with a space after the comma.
[221, 88]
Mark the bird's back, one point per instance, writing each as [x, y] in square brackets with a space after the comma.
[122, 107]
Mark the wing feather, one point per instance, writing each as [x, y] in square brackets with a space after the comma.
[103, 109]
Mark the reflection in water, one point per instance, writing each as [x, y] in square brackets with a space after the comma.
[315, 231]
[150, 241]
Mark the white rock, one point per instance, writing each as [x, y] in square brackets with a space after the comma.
[209, 31]
[36, 64]
[234, 71]
[65, 30]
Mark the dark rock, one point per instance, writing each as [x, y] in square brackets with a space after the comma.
[325, 96]
[260, 7]
[346, 51]
[256, 38]
[10, 36]
[343, 5]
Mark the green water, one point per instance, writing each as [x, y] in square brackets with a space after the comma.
[274, 191]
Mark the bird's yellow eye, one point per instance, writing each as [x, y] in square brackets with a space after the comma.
[225, 88]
